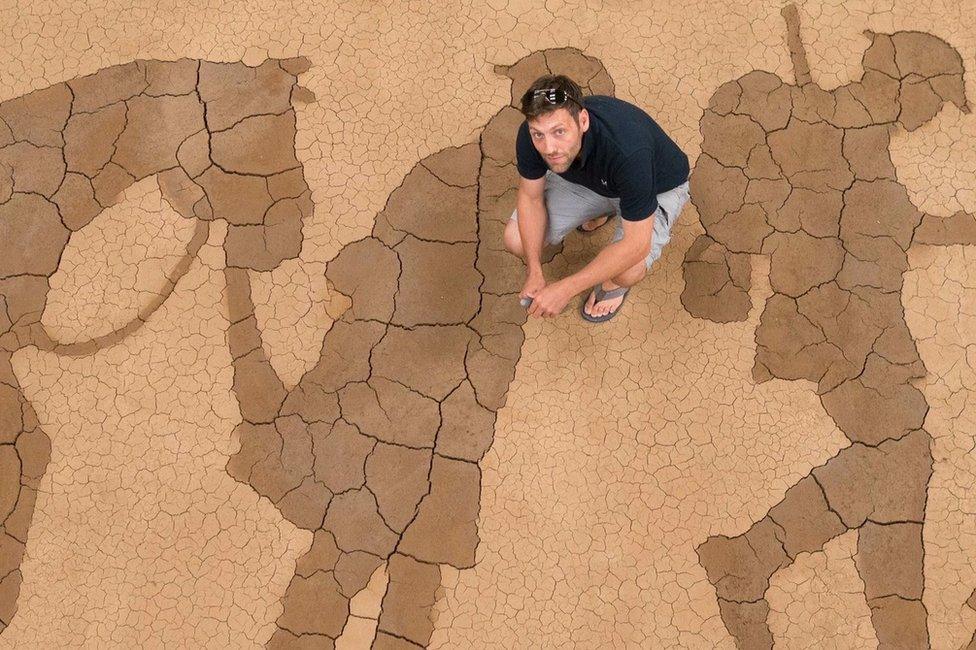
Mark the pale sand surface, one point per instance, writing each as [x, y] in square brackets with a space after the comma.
[621, 448]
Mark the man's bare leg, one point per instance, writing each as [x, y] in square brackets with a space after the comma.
[628, 278]
[513, 240]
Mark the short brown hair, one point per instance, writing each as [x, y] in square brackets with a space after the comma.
[535, 104]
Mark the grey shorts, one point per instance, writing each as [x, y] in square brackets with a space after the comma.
[570, 205]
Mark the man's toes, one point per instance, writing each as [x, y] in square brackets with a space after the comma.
[608, 306]
[589, 308]
[601, 308]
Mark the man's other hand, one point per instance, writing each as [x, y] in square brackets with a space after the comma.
[551, 300]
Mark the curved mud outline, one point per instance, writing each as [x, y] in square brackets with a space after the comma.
[71, 149]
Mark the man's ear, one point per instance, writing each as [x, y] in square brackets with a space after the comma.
[584, 120]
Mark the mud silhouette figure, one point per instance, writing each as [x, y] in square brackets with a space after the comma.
[220, 140]
[804, 176]
[376, 449]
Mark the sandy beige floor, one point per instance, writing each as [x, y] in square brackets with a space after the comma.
[620, 449]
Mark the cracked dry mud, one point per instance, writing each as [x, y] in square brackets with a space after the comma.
[376, 448]
[804, 175]
[219, 140]
[179, 315]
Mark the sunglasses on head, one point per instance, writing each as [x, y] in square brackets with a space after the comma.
[554, 96]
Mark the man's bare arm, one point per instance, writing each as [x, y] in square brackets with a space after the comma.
[532, 218]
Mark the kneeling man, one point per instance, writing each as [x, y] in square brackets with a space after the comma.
[581, 162]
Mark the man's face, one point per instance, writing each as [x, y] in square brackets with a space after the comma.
[558, 138]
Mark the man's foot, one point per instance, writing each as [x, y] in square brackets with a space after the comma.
[603, 307]
[593, 224]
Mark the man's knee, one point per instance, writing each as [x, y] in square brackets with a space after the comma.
[513, 240]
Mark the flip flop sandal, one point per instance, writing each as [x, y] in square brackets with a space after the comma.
[602, 295]
[583, 230]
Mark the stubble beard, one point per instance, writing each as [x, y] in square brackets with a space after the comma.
[564, 166]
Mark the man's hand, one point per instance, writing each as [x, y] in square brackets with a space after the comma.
[551, 300]
[534, 283]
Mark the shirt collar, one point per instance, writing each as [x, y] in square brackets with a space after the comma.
[589, 141]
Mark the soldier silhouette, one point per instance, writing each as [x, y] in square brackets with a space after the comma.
[804, 176]
[377, 447]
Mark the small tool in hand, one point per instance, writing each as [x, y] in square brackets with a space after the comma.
[525, 302]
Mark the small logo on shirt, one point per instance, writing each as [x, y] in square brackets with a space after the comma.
[604, 182]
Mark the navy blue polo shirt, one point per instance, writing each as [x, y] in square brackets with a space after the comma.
[625, 154]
